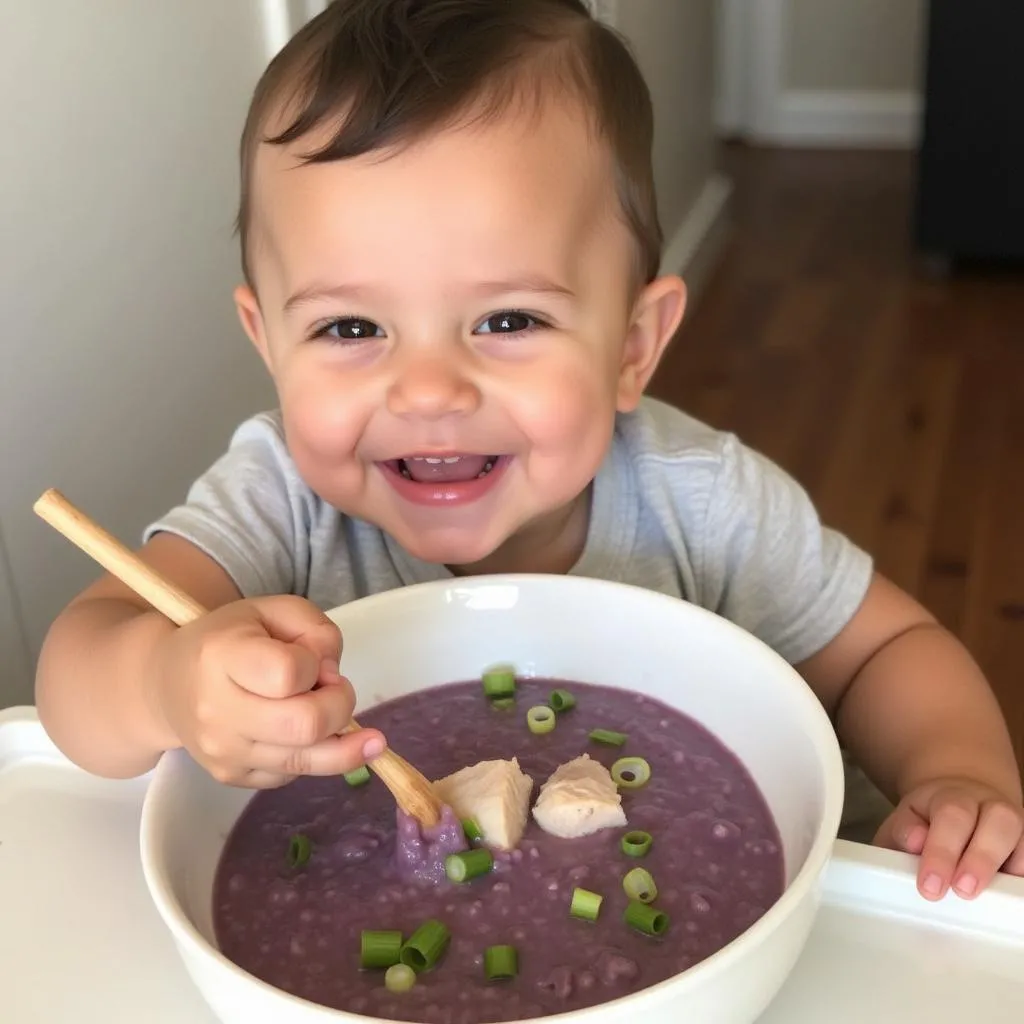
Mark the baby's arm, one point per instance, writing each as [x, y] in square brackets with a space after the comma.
[117, 684]
[914, 709]
[97, 674]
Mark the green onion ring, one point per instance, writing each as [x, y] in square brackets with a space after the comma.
[499, 682]
[631, 772]
[636, 844]
[359, 777]
[425, 946]
[540, 719]
[561, 700]
[640, 886]
[470, 864]
[613, 739]
[501, 962]
[399, 978]
[646, 919]
[299, 848]
[380, 949]
[585, 905]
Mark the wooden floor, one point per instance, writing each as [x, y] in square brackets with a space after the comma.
[896, 399]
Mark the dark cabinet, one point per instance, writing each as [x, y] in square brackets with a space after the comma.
[970, 188]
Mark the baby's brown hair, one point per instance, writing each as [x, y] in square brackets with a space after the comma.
[386, 72]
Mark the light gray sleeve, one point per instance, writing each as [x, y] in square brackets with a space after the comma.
[770, 565]
[240, 512]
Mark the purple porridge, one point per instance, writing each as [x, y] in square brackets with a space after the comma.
[716, 859]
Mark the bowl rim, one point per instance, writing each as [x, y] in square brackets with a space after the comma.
[804, 881]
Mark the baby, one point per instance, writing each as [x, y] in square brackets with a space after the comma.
[451, 249]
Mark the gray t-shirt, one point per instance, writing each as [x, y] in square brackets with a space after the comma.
[677, 507]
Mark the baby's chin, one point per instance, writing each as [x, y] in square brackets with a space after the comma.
[460, 550]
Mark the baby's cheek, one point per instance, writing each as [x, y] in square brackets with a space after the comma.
[572, 408]
[324, 423]
[569, 424]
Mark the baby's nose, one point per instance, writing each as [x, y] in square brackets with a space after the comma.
[432, 389]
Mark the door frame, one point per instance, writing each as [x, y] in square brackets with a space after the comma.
[750, 44]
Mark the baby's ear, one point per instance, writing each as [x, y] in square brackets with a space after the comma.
[657, 315]
[248, 307]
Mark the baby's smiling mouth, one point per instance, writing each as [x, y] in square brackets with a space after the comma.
[450, 467]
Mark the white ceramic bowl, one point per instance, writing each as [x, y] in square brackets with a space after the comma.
[555, 626]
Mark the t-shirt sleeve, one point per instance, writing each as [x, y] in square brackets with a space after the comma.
[769, 563]
[242, 511]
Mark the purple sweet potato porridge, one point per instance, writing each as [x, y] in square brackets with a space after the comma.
[716, 859]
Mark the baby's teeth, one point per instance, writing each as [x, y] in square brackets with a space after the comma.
[449, 461]
[433, 462]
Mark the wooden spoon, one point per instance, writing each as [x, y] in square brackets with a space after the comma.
[412, 791]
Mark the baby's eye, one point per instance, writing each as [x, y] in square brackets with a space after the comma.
[349, 328]
[509, 322]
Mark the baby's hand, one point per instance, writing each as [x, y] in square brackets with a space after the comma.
[964, 831]
[237, 689]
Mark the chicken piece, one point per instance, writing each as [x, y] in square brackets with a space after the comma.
[579, 798]
[495, 794]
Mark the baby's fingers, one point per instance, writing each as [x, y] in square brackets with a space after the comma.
[996, 837]
[904, 830]
[1015, 863]
[334, 756]
[952, 825]
[298, 721]
[271, 668]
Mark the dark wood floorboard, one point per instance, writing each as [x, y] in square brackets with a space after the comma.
[896, 399]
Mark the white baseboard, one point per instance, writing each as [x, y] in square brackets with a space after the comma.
[695, 246]
[887, 120]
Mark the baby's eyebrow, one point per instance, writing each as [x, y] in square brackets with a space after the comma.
[537, 284]
[533, 284]
[320, 292]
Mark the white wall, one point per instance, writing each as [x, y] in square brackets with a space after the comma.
[853, 45]
[821, 72]
[674, 43]
[674, 47]
[123, 367]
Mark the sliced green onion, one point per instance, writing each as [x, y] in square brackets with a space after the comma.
[499, 682]
[380, 949]
[561, 700]
[299, 848]
[631, 772]
[540, 719]
[646, 919]
[502, 703]
[585, 904]
[471, 830]
[461, 867]
[399, 978]
[425, 946]
[613, 739]
[501, 962]
[636, 844]
[639, 885]
[359, 777]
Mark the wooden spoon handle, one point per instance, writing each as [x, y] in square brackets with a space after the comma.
[412, 790]
[118, 560]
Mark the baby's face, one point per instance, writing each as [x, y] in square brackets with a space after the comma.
[450, 328]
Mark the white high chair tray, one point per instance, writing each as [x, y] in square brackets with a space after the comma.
[80, 942]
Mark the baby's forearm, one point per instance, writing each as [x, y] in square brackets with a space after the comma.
[920, 710]
[95, 683]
